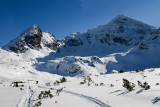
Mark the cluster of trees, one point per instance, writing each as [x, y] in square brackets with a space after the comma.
[62, 80]
[130, 86]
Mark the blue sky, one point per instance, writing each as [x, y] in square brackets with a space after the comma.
[63, 17]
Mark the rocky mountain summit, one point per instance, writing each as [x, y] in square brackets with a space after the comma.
[32, 38]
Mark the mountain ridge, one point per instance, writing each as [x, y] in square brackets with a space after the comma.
[98, 51]
[121, 29]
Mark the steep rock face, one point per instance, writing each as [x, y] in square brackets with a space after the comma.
[32, 38]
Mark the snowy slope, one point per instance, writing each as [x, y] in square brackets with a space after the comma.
[145, 55]
[39, 60]
[99, 93]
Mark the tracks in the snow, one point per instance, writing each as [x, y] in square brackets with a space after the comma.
[91, 99]
[26, 100]
[94, 100]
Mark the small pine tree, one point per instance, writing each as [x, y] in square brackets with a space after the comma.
[139, 83]
[112, 85]
[63, 80]
[101, 84]
[128, 85]
[38, 104]
[144, 85]
[121, 71]
[147, 87]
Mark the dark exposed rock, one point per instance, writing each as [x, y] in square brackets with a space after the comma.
[143, 46]
[34, 42]
[120, 29]
[120, 40]
[32, 37]
[73, 42]
[155, 37]
[20, 47]
[139, 31]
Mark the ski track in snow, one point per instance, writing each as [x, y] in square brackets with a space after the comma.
[98, 102]
[91, 99]
[26, 100]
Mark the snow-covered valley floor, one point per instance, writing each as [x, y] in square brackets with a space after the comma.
[98, 91]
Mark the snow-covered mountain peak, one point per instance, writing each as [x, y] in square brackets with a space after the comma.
[124, 24]
[120, 30]
[31, 31]
[29, 38]
[122, 16]
[126, 19]
[35, 26]
[32, 38]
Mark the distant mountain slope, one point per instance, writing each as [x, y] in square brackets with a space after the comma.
[121, 30]
[123, 43]
[145, 55]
